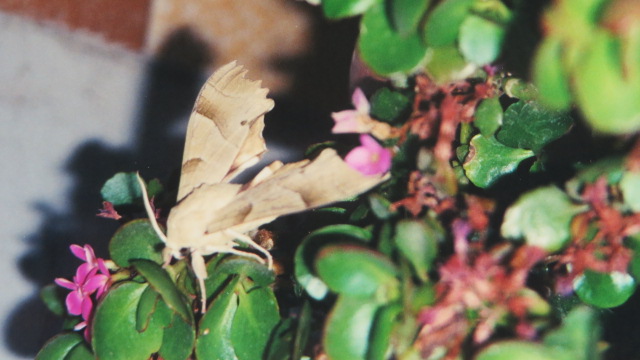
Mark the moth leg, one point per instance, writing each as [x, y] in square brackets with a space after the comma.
[200, 269]
[150, 214]
[246, 239]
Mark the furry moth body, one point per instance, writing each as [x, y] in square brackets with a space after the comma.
[224, 137]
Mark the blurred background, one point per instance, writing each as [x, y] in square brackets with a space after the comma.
[89, 88]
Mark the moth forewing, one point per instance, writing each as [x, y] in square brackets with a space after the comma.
[224, 134]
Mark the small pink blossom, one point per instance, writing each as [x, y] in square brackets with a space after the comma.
[370, 158]
[358, 120]
[92, 277]
[348, 121]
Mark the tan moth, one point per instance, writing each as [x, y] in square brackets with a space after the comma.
[224, 137]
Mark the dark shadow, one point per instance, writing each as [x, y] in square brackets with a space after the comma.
[170, 86]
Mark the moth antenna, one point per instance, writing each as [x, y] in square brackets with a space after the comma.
[147, 207]
[246, 239]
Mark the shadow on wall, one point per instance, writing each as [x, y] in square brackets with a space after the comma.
[171, 84]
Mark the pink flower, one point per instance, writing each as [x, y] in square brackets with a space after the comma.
[348, 121]
[370, 158]
[91, 277]
[358, 120]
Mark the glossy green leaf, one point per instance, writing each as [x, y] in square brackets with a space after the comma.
[488, 160]
[630, 187]
[259, 273]
[549, 75]
[178, 340]
[520, 89]
[281, 341]
[80, 352]
[607, 98]
[542, 217]
[387, 105]
[480, 40]
[335, 9]
[52, 296]
[418, 242]
[380, 206]
[528, 125]
[114, 326]
[122, 189]
[306, 252]
[214, 330]
[383, 49]
[146, 308]
[348, 328]
[445, 64]
[357, 271]
[578, 336]
[604, 290]
[443, 24]
[59, 347]
[521, 350]
[488, 118]
[383, 325]
[160, 281]
[406, 14]
[255, 318]
[135, 240]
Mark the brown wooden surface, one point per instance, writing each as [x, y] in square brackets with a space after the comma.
[119, 21]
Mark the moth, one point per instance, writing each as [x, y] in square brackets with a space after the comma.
[224, 137]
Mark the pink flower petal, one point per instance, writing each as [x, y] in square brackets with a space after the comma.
[370, 158]
[360, 101]
[346, 122]
[95, 282]
[78, 251]
[81, 325]
[74, 302]
[87, 308]
[67, 284]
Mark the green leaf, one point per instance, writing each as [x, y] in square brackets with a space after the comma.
[488, 160]
[608, 99]
[387, 105]
[122, 189]
[53, 298]
[160, 281]
[383, 49]
[542, 217]
[60, 346]
[604, 290]
[114, 326]
[380, 206]
[259, 273]
[527, 125]
[520, 89]
[178, 340]
[146, 307]
[488, 118]
[289, 338]
[135, 240]
[357, 271]
[214, 330]
[443, 24]
[480, 40]
[406, 14]
[549, 75]
[306, 252]
[335, 9]
[80, 352]
[445, 64]
[578, 336]
[348, 328]
[521, 350]
[383, 325]
[418, 242]
[255, 318]
[630, 187]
